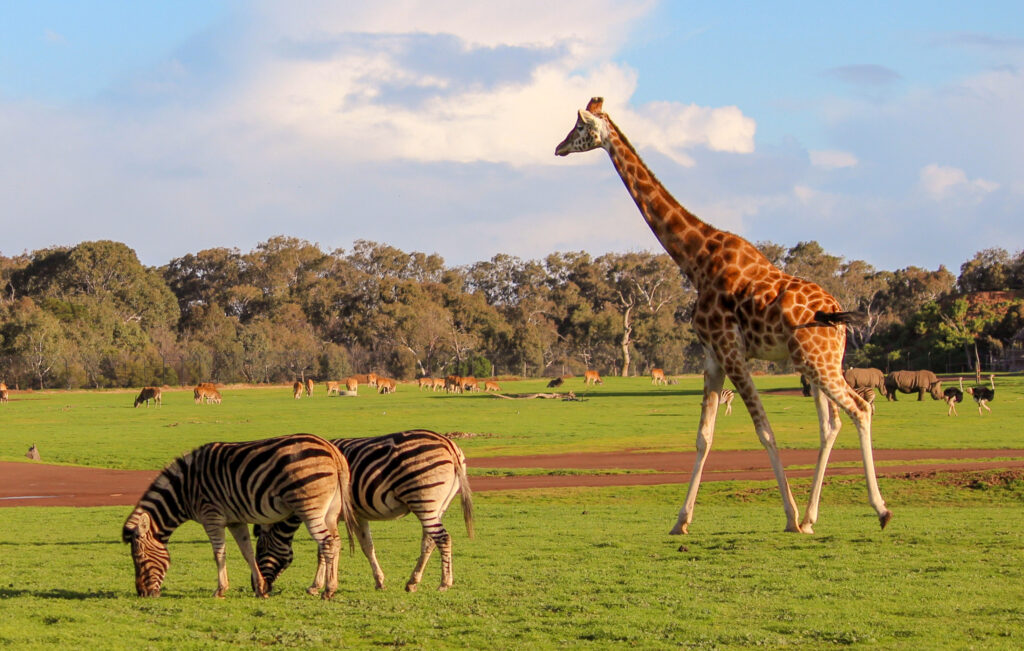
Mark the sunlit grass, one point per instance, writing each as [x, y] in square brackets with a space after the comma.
[570, 567]
[103, 429]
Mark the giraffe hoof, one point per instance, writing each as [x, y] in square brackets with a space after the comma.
[312, 590]
[411, 587]
[679, 529]
[884, 518]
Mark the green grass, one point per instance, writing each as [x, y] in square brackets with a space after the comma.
[102, 429]
[589, 568]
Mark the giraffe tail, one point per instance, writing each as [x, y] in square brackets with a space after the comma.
[821, 318]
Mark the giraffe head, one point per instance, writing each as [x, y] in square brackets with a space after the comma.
[590, 131]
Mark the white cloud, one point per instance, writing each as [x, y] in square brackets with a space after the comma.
[831, 159]
[941, 182]
[671, 128]
[340, 95]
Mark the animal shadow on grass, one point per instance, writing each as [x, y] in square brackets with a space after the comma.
[57, 593]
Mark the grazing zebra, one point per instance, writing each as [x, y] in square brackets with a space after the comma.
[725, 398]
[868, 393]
[228, 485]
[418, 471]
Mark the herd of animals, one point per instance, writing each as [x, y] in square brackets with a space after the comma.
[866, 380]
[746, 308]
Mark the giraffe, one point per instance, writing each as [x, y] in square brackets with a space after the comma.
[746, 308]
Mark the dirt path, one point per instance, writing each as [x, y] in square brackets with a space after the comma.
[36, 484]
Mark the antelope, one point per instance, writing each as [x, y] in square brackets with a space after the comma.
[332, 388]
[490, 385]
[658, 376]
[591, 377]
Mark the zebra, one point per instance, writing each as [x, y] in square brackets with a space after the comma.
[868, 393]
[726, 398]
[228, 485]
[416, 470]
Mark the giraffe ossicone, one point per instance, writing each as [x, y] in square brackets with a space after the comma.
[746, 308]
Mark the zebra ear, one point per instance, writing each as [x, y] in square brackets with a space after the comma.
[138, 524]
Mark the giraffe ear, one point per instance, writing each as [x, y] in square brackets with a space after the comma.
[587, 117]
[595, 104]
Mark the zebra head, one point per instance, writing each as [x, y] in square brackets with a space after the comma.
[274, 548]
[148, 553]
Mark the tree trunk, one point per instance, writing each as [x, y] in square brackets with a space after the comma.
[627, 331]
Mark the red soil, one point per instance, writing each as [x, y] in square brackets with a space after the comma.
[37, 484]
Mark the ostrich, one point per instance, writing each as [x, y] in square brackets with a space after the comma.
[982, 395]
[952, 395]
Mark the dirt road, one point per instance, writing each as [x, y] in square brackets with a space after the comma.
[37, 484]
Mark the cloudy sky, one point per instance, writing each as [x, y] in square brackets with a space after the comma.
[888, 132]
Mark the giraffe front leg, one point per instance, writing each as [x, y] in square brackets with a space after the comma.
[714, 378]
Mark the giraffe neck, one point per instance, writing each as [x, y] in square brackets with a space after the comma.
[681, 233]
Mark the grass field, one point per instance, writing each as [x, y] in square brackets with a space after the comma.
[590, 568]
[102, 429]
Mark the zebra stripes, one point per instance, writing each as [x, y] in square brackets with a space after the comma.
[416, 471]
[868, 393]
[726, 398]
[228, 485]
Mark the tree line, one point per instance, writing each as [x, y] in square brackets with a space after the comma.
[92, 316]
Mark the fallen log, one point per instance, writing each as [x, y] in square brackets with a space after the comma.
[530, 396]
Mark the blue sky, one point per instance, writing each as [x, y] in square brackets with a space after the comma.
[888, 132]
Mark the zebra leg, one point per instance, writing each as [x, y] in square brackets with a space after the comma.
[444, 542]
[216, 534]
[241, 534]
[426, 548]
[325, 533]
[366, 542]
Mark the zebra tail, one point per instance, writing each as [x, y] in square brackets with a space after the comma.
[467, 498]
[348, 512]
